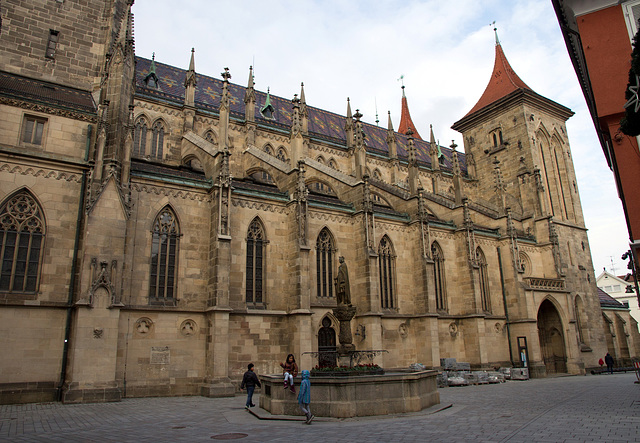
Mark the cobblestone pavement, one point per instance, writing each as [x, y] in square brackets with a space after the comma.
[563, 409]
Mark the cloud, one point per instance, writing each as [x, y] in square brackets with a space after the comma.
[358, 49]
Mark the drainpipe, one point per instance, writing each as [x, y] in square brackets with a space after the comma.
[72, 281]
[504, 302]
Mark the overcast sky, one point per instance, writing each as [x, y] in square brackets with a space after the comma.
[359, 49]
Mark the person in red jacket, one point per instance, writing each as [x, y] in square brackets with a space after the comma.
[290, 370]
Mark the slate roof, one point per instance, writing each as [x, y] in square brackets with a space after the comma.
[22, 88]
[606, 301]
[322, 124]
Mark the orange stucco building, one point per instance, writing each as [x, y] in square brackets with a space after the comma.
[599, 37]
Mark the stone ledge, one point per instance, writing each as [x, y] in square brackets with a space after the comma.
[344, 397]
[28, 392]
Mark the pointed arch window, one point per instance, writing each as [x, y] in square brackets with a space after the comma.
[439, 277]
[282, 155]
[164, 256]
[325, 259]
[581, 321]
[140, 138]
[387, 270]
[157, 140]
[209, 137]
[484, 281]
[256, 264]
[22, 232]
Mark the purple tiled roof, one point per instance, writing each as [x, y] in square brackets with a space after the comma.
[322, 124]
[16, 86]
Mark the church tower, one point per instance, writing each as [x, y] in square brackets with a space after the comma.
[518, 145]
[519, 137]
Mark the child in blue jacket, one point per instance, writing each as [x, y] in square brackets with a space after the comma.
[304, 396]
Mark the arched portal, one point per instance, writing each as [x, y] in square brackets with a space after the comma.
[552, 343]
[327, 344]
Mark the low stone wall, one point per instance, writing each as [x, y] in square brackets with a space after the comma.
[355, 396]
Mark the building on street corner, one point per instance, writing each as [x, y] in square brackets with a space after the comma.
[160, 227]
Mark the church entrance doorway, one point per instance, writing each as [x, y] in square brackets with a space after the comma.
[327, 350]
[551, 337]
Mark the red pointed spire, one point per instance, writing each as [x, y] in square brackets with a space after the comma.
[405, 119]
[503, 81]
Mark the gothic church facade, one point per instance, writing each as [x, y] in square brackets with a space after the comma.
[162, 228]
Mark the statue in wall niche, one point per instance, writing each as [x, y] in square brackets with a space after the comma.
[345, 311]
[343, 292]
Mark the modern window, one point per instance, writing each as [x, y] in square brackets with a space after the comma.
[22, 233]
[439, 277]
[164, 257]
[387, 269]
[325, 260]
[631, 15]
[256, 264]
[33, 130]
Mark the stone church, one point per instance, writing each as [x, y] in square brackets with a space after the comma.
[161, 228]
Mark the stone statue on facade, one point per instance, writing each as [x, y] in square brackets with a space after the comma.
[343, 292]
[344, 312]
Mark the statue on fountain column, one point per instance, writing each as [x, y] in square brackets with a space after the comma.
[343, 292]
[344, 312]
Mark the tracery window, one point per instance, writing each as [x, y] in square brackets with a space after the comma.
[580, 320]
[484, 281]
[439, 277]
[164, 255]
[210, 137]
[22, 232]
[140, 138]
[325, 260]
[320, 188]
[157, 140]
[496, 137]
[256, 264]
[387, 269]
[148, 142]
[282, 155]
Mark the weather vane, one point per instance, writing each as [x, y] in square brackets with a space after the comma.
[495, 30]
[401, 80]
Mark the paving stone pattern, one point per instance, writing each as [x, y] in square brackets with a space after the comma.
[563, 409]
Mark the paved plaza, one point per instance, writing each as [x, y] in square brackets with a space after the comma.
[602, 408]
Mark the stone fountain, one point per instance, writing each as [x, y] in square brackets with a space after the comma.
[348, 394]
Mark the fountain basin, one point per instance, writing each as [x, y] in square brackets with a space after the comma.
[354, 396]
